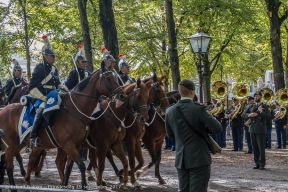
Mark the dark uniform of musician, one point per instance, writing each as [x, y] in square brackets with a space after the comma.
[220, 117]
[236, 126]
[73, 79]
[0, 85]
[193, 158]
[45, 78]
[124, 68]
[249, 100]
[280, 126]
[16, 80]
[269, 130]
[259, 112]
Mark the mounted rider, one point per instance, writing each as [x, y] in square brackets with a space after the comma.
[16, 79]
[45, 78]
[75, 76]
[79, 73]
[124, 70]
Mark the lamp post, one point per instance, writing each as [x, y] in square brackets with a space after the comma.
[199, 43]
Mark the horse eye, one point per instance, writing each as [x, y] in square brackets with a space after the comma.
[108, 79]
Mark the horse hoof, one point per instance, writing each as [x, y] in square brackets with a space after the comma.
[37, 174]
[138, 188]
[123, 187]
[161, 182]
[121, 179]
[91, 178]
[104, 183]
[101, 188]
[139, 174]
[23, 173]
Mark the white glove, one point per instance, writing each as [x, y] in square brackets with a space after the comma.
[35, 93]
[63, 88]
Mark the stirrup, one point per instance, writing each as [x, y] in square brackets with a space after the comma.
[36, 142]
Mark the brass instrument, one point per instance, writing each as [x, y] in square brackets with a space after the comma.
[281, 97]
[267, 98]
[240, 91]
[219, 91]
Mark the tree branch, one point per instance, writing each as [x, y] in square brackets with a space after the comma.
[217, 57]
[284, 17]
[180, 21]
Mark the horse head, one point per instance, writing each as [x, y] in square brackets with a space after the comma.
[157, 95]
[137, 100]
[107, 85]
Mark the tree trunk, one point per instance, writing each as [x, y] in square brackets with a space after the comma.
[109, 31]
[286, 55]
[276, 49]
[173, 51]
[86, 33]
[23, 5]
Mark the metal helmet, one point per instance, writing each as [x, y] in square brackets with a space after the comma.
[16, 65]
[80, 56]
[106, 55]
[47, 49]
[122, 62]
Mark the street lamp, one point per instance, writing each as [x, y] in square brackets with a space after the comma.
[199, 43]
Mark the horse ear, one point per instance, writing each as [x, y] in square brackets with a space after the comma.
[148, 84]
[154, 77]
[103, 66]
[163, 77]
[138, 82]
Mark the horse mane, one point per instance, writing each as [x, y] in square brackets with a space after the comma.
[82, 84]
[171, 93]
[129, 88]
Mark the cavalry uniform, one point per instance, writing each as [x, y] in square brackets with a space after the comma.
[45, 78]
[10, 84]
[125, 79]
[73, 80]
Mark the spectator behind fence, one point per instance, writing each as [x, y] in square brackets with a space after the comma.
[193, 158]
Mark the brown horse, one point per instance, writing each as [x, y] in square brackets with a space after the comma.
[154, 137]
[17, 92]
[109, 134]
[71, 121]
[158, 99]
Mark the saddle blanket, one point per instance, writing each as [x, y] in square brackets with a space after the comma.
[27, 116]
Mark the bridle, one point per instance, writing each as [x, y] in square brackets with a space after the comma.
[112, 92]
[157, 104]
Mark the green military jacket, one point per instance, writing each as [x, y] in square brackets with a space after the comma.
[191, 150]
[258, 124]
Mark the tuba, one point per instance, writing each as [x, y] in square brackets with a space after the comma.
[219, 91]
[240, 91]
[281, 97]
[267, 95]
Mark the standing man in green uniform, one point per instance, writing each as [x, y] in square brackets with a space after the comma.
[193, 158]
[259, 113]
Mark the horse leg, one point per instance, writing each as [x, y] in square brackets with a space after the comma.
[101, 155]
[2, 168]
[151, 149]
[20, 161]
[158, 147]
[60, 161]
[68, 170]
[118, 151]
[73, 154]
[40, 163]
[131, 155]
[92, 157]
[32, 159]
[111, 160]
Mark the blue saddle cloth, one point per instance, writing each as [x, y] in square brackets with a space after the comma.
[27, 116]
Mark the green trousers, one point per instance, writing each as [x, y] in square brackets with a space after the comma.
[258, 144]
[194, 179]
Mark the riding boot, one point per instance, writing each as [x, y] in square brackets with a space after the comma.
[36, 127]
